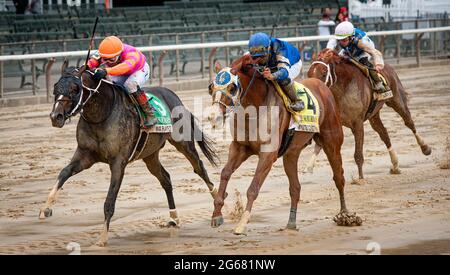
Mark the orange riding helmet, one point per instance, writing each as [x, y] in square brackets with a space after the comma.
[110, 47]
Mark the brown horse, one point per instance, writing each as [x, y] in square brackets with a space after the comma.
[353, 93]
[256, 92]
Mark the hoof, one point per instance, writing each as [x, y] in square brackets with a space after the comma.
[426, 150]
[45, 213]
[291, 226]
[101, 243]
[395, 171]
[240, 230]
[347, 219]
[359, 181]
[171, 224]
[308, 170]
[217, 221]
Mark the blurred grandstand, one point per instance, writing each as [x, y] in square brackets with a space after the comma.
[66, 25]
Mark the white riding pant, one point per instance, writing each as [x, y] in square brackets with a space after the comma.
[294, 70]
[132, 81]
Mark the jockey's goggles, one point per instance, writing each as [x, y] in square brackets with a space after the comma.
[259, 51]
[111, 60]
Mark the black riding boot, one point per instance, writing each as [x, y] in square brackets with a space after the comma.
[296, 103]
[149, 117]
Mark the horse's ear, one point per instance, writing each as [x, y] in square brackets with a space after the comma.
[210, 88]
[217, 67]
[314, 56]
[64, 65]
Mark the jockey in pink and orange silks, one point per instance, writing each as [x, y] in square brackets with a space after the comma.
[127, 66]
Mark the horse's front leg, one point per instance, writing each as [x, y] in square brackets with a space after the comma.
[81, 160]
[265, 163]
[236, 156]
[117, 168]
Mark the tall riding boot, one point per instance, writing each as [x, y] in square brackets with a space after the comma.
[296, 103]
[379, 86]
[149, 117]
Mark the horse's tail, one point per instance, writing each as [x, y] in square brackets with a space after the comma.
[206, 144]
[403, 93]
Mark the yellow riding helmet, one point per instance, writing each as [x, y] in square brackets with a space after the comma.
[110, 47]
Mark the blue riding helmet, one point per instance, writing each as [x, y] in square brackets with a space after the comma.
[258, 44]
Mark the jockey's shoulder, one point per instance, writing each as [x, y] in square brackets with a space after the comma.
[359, 33]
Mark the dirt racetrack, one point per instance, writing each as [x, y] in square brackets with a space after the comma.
[407, 213]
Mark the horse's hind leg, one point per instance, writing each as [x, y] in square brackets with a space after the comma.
[81, 160]
[155, 167]
[402, 109]
[187, 148]
[332, 147]
[290, 163]
[378, 126]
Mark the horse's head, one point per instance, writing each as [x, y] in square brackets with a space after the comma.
[68, 93]
[224, 91]
[247, 66]
[322, 66]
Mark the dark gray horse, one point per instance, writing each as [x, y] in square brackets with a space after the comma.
[108, 131]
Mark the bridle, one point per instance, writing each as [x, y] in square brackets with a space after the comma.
[330, 73]
[80, 104]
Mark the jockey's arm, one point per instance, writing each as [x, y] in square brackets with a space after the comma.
[125, 66]
[283, 66]
[332, 43]
[377, 57]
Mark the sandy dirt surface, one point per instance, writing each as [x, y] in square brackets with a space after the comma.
[407, 213]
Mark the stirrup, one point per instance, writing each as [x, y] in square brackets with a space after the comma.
[379, 88]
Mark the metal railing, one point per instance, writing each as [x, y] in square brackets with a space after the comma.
[213, 46]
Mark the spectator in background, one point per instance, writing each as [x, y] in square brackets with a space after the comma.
[324, 27]
[342, 15]
[35, 7]
[20, 5]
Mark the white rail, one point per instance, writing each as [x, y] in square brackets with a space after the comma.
[419, 34]
[215, 44]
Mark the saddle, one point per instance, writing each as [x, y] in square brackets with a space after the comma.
[306, 120]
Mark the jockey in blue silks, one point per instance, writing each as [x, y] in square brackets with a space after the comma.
[282, 61]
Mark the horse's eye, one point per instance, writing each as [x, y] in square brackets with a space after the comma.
[232, 88]
[248, 67]
[74, 88]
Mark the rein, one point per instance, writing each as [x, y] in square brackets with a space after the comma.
[258, 69]
[80, 105]
[329, 77]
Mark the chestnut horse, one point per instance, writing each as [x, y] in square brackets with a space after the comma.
[260, 94]
[353, 93]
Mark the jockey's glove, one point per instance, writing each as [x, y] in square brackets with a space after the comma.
[99, 73]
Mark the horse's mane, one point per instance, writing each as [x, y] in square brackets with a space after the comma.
[330, 56]
[70, 71]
